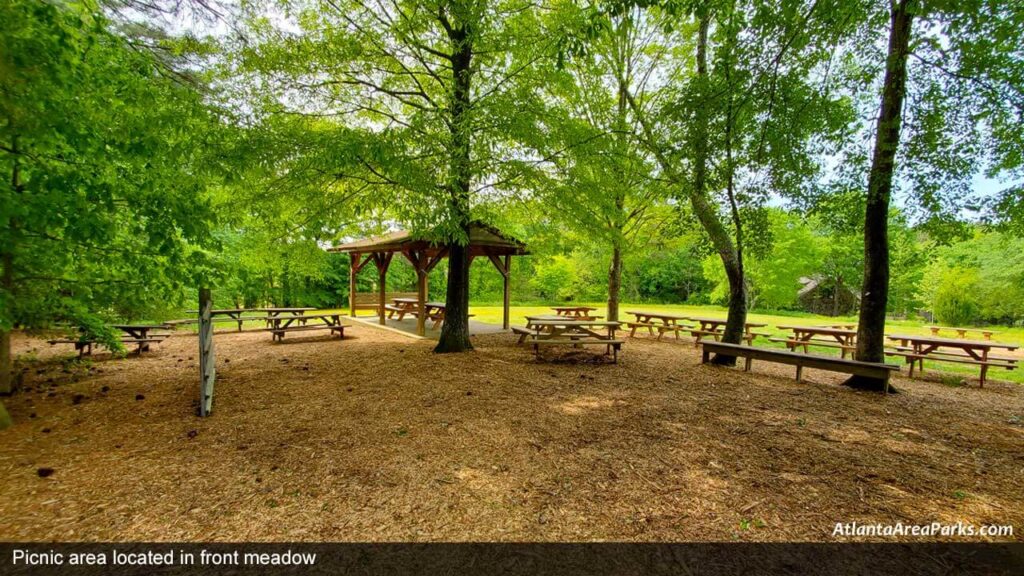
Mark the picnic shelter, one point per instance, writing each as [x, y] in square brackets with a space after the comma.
[424, 254]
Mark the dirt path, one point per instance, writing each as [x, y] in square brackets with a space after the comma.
[376, 438]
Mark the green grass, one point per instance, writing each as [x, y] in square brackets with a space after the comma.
[518, 314]
[492, 314]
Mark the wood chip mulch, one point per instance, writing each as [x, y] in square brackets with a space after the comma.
[376, 438]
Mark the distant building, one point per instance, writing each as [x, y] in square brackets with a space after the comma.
[820, 297]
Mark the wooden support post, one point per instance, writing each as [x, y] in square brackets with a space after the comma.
[421, 300]
[353, 269]
[503, 267]
[383, 261]
[508, 272]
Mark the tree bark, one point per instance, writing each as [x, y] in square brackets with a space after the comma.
[875, 289]
[614, 284]
[7, 281]
[705, 212]
[5, 417]
[700, 202]
[455, 331]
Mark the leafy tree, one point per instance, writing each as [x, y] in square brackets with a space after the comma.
[430, 91]
[956, 298]
[956, 68]
[600, 183]
[106, 157]
[740, 118]
[979, 279]
[793, 252]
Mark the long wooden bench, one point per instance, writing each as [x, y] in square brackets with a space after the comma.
[801, 361]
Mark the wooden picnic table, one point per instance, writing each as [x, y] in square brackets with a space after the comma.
[236, 314]
[714, 326]
[844, 326]
[140, 331]
[411, 306]
[138, 334]
[280, 325]
[280, 311]
[403, 306]
[805, 336]
[580, 312]
[660, 321]
[961, 332]
[917, 348]
[575, 333]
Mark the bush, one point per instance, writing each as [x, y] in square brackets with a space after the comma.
[556, 279]
[956, 300]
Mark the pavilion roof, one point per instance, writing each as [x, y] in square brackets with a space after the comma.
[483, 240]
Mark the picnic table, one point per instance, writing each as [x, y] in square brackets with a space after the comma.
[281, 325]
[232, 313]
[714, 326]
[578, 312]
[282, 311]
[805, 336]
[411, 306]
[531, 325]
[958, 350]
[660, 321]
[403, 306]
[961, 332]
[138, 334]
[575, 333]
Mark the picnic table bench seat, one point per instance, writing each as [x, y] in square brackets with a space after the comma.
[613, 346]
[84, 347]
[661, 328]
[699, 335]
[340, 328]
[522, 332]
[792, 343]
[800, 360]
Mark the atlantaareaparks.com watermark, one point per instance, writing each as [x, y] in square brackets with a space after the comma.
[923, 530]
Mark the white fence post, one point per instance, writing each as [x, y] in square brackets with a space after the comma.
[207, 369]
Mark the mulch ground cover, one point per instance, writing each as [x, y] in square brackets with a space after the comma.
[375, 438]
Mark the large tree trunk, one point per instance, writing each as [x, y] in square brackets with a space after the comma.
[614, 283]
[700, 202]
[875, 290]
[6, 363]
[5, 418]
[708, 216]
[7, 281]
[455, 331]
